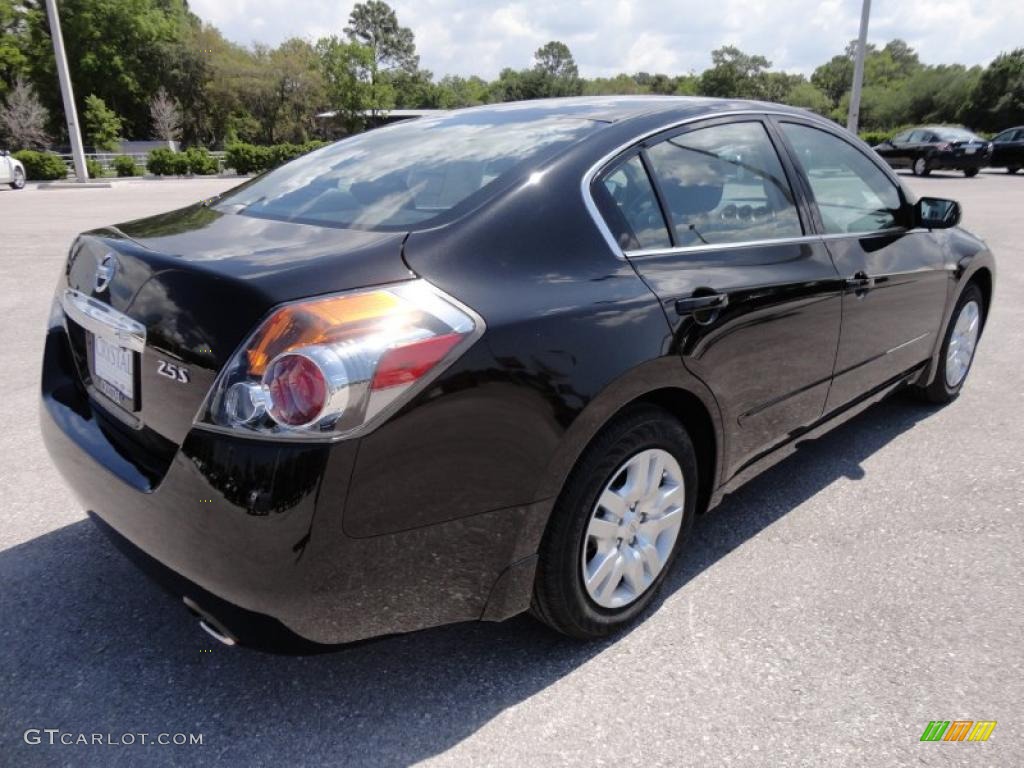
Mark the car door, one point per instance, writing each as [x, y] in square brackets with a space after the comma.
[895, 279]
[895, 150]
[1008, 148]
[752, 298]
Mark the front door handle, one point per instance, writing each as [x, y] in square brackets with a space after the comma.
[860, 283]
[713, 301]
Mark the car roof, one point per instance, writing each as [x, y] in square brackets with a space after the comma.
[614, 109]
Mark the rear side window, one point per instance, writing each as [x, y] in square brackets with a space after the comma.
[724, 184]
[629, 189]
[408, 175]
[852, 194]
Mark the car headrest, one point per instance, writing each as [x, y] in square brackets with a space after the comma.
[690, 199]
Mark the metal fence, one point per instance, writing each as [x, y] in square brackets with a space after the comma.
[106, 159]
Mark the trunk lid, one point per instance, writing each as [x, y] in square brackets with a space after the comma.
[199, 281]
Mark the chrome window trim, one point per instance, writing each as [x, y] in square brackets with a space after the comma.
[619, 252]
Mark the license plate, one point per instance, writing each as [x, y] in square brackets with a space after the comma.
[114, 367]
[970, 150]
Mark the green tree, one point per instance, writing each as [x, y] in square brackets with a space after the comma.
[13, 62]
[102, 125]
[733, 74]
[392, 46]
[347, 70]
[997, 99]
[113, 49]
[553, 61]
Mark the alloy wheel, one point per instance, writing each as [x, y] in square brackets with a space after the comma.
[962, 343]
[633, 528]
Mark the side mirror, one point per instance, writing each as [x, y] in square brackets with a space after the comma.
[936, 213]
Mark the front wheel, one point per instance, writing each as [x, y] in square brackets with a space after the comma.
[970, 173]
[625, 512]
[958, 348]
[920, 167]
[19, 179]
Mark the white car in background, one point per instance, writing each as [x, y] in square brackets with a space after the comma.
[11, 170]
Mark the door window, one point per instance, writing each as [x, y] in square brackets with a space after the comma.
[629, 189]
[852, 193]
[724, 184]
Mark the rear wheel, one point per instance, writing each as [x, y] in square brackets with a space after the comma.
[920, 167]
[625, 512]
[970, 173]
[958, 347]
[19, 179]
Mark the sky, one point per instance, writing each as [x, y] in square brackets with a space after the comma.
[481, 37]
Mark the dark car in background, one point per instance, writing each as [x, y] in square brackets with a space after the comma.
[937, 148]
[1008, 150]
[490, 361]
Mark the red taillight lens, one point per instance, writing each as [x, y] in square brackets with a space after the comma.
[298, 390]
[404, 365]
[332, 366]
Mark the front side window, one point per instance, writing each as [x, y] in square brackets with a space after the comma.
[407, 175]
[724, 184]
[1005, 136]
[852, 194]
[629, 189]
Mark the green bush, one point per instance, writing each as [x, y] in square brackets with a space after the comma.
[124, 166]
[41, 166]
[201, 162]
[95, 168]
[160, 162]
[180, 164]
[249, 158]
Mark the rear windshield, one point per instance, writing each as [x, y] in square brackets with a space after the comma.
[406, 175]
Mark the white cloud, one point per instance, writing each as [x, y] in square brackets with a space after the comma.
[672, 36]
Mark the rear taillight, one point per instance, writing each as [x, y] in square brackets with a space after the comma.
[335, 366]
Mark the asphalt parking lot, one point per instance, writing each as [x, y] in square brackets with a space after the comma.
[823, 616]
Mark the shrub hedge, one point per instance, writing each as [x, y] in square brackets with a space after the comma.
[124, 166]
[95, 168]
[41, 166]
[249, 158]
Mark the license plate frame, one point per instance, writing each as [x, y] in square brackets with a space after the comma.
[114, 370]
[970, 149]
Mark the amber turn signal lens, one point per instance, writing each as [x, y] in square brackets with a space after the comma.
[318, 322]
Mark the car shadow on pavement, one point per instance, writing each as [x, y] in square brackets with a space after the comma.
[90, 646]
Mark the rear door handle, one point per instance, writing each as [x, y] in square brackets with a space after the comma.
[702, 302]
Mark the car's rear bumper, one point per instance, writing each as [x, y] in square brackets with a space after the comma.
[254, 531]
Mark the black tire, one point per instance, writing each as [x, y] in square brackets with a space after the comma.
[919, 167]
[1012, 169]
[19, 179]
[939, 390]
[970, 173]
[560, 598]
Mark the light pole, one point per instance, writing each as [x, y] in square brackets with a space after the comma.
[858, 69]
[77, 152]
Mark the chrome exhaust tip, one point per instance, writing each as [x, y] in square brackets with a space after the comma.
[210, 625]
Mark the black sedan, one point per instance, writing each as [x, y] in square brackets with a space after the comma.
[937, 148]
[1008, 150]
[490, 361]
